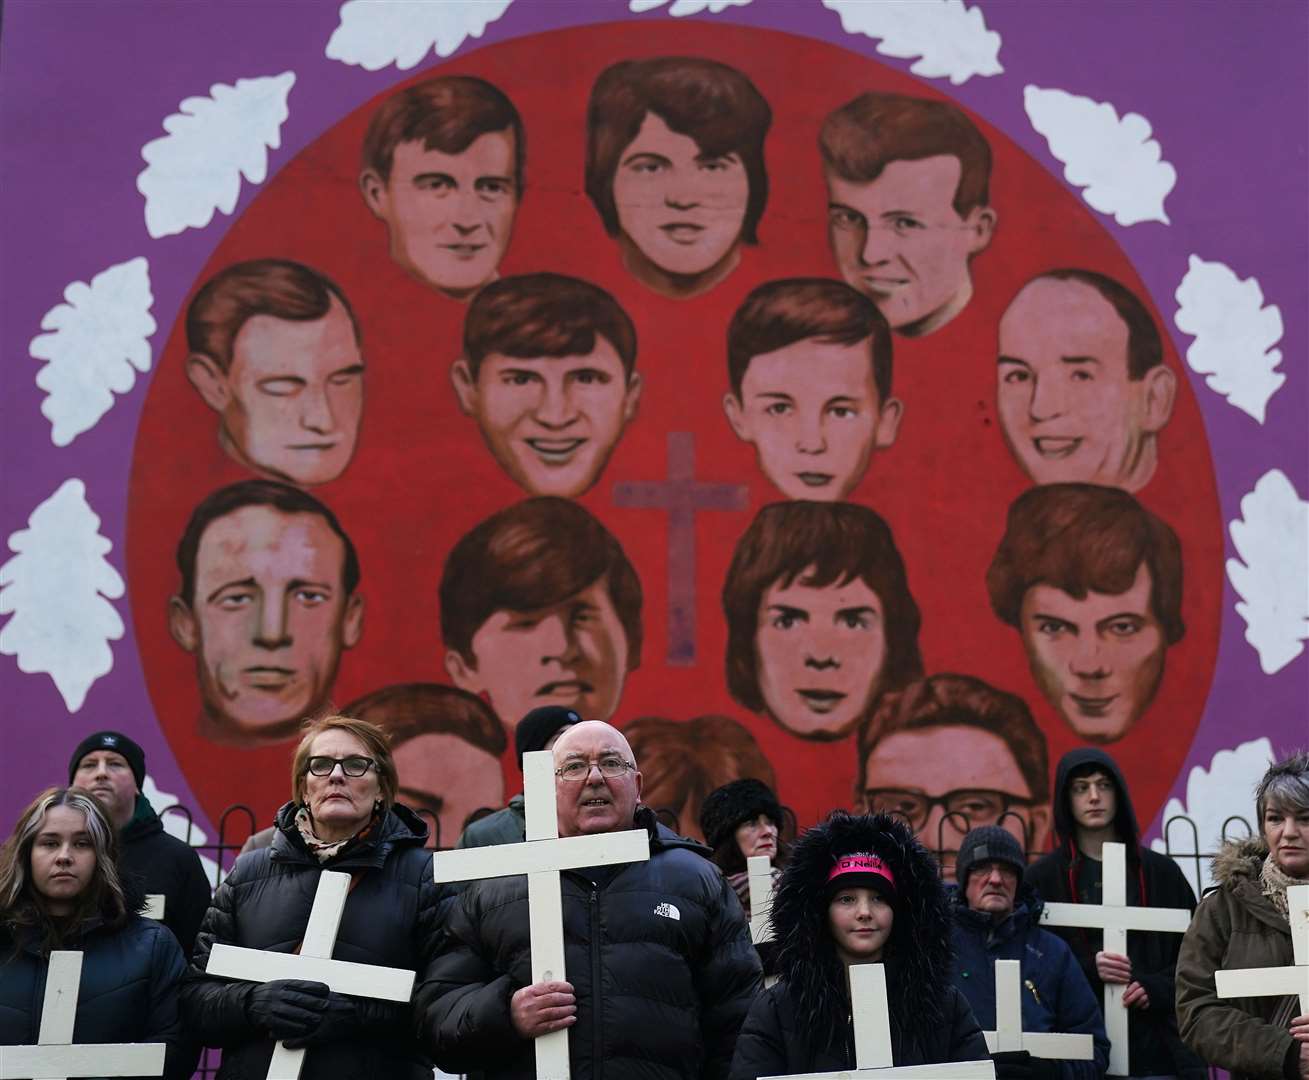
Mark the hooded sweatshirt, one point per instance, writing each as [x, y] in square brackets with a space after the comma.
[163, 864]
[1153, 880]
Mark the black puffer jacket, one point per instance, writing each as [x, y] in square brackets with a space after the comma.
[658, 953]
[163, 864]
[127, 993]
[803, 1024]
[394, 917]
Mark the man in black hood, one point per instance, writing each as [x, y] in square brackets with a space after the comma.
[1092, 806]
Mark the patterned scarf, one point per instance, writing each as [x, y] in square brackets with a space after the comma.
[1274, 882]
[325, 849]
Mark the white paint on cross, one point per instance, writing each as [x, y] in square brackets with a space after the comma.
[872, 1039]
[1115, 918]
[1009, 1034]
[1291, 981]
[541, 858]
[55, 1056]
[759, 876]
[314, 962]
[154, 906]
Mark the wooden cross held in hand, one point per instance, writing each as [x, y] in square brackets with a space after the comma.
[872, 1039]
[314, 962]
[1009, 1033]
[55, 1056]
[1115, 918]
[154, 906]
[1267, 981]
[759, 874]
[541, 858]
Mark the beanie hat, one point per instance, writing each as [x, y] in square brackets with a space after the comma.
[119, 744]
[864, 869]
[535, 729]
[988, 843]
[728, 806]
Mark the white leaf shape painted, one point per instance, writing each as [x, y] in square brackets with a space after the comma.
[375, 33]
[1117, 163]
[1234, 334]
[57, 586]
[685, 7]
[1272, 573]
[212, 142]
[1214, 797]
[96, 342]
[949, 38]
[179, 825]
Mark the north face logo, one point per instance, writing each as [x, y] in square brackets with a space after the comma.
[668, 911]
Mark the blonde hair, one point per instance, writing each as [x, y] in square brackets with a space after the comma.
[373, 737]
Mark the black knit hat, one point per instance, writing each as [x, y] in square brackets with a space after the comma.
[119, 744]
[535, 729]
[742, 800]
[988, 843]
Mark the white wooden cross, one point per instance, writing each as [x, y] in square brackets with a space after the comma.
[541, 858]
[1115, 918]
[314, 962]
[759, 876]
[872, 1039]
[154, 906]
[55, 1056]
[1009, 1034]
[1267, 981]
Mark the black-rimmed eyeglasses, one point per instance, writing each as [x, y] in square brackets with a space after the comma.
[979, 806]
[355, 765]
[611, 768]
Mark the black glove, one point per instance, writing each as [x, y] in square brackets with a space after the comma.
[1013, 1065]
[340, 1020]
[286, 1008]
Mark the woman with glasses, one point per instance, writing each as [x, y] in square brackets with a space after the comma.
[342, 817]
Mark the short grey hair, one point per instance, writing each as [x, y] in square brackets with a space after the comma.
[1286, 783]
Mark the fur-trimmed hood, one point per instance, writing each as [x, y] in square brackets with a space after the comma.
[918, 955]
[1240, 859]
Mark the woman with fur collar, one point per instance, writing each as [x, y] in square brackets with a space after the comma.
[1244, 923]
[857, 890]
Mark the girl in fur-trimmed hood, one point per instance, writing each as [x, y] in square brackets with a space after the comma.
[858, 889]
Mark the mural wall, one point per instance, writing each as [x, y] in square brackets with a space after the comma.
[879, 400]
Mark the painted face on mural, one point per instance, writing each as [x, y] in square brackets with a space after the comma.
[551, 422]
[1098, 660]
[820, 652]
[814, 416]
[899, 240]
[947, 779]
[572, 654]
[448, 776]
[1068, 407]
[449, 216]
[679, 209]
[292, 398]
[268, 621]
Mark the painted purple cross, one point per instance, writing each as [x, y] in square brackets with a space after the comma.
[681, 496]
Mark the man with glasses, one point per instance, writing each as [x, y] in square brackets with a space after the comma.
[659, 968]
[950, 753]
[1091, 807]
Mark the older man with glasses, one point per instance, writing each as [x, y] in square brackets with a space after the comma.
[660, 970]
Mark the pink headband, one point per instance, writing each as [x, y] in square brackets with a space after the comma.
[861, 862]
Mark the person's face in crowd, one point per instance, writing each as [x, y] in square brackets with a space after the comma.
[597, 803]
[63, 859]
[292, 398]
[757, 836]
[820, 654]
[448, 776]
[1093, 800]
[268, 620]
[680, 210]
[860, 921]
[551, 422]
[340, 805]
[573, 653]
[108, 776]
[948, 779]
[900, 241]
[813, 413]
[991, 888]
[449, 216]
[1286, 832]
[1098, 660]
[1069, 411]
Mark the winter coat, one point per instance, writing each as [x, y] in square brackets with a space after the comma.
[1054, 993]
[159, 863]
[1153, 880]
[507, 826]
[658, 953]
[394, 917]
[803, 1023]
[127, 992]
[1236, 926]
